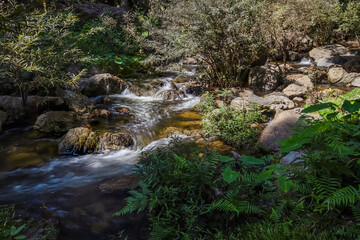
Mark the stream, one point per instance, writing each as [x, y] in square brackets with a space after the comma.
[68, 188]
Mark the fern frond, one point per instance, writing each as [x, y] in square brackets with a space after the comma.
[224, 205]
[323, 185]
[343, 197]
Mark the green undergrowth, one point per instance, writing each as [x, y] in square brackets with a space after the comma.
[15, 227]
[199, 194]
[234, 126]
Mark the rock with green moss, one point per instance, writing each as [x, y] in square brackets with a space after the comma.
[82, 140]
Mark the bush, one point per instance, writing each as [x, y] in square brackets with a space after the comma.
[234, 127]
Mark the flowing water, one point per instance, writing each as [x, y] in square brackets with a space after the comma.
[68, 188]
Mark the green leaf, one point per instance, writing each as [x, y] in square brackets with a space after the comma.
[252, 160]
[264, 176]
[284, 184]
[293, 143]
[230, 175]
[19, 229]
[225, 159]
[20, 237]
[318, 107]
[351, 107]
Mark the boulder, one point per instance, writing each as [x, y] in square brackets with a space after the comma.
[123, 183]
[56, 122]
[171, 95]
[194, 88]
[13, 108]
[77, 102]
[72, 143]
[293, 157]
[279, 101]
[327, 56]
[353, 65]
[101, 84]
[93, 10]
[3, 117]
[339, 76]
[265, 78]
[102, 113]
[248, 98]
[280, 128]
[115, 141]
[82, 141]
[299, 87]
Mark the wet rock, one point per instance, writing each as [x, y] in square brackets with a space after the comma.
[156, 83]
[101, 84]
[353, 66]
[56, 122]
[102, 113]
[327, 56]
[293, 157]
[124, 183]
[122, 110]
[3, 117]
[181, 79]
[299, 87]
[38, 104]
[265, 78]
[72, 143]
[82, 141]
[93, 10]
[279, 101]
[115, 141]
[77, 102]
[13, 108]
[280, 128]
[171, 95]
[170, 131]
[339, 76]
[194, 88]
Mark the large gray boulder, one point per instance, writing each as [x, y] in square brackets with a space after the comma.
[299, 87]
[280, 128]
[279, 101]
[248, 98]
[265, 78]
[101, 84]
[56, 122]
[82, 141]
[328, 56]
[338, 76]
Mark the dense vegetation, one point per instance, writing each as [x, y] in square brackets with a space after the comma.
[192, 194]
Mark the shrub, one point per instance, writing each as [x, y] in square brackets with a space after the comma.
[234, 127]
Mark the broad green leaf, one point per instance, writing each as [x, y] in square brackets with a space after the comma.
[252, 160]
[351, 107]
[225, 159]
[19, 229]
[284, 184]
[293, 143]
[230, 175]
[318, 107]
[20, 237]
[264, 176]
